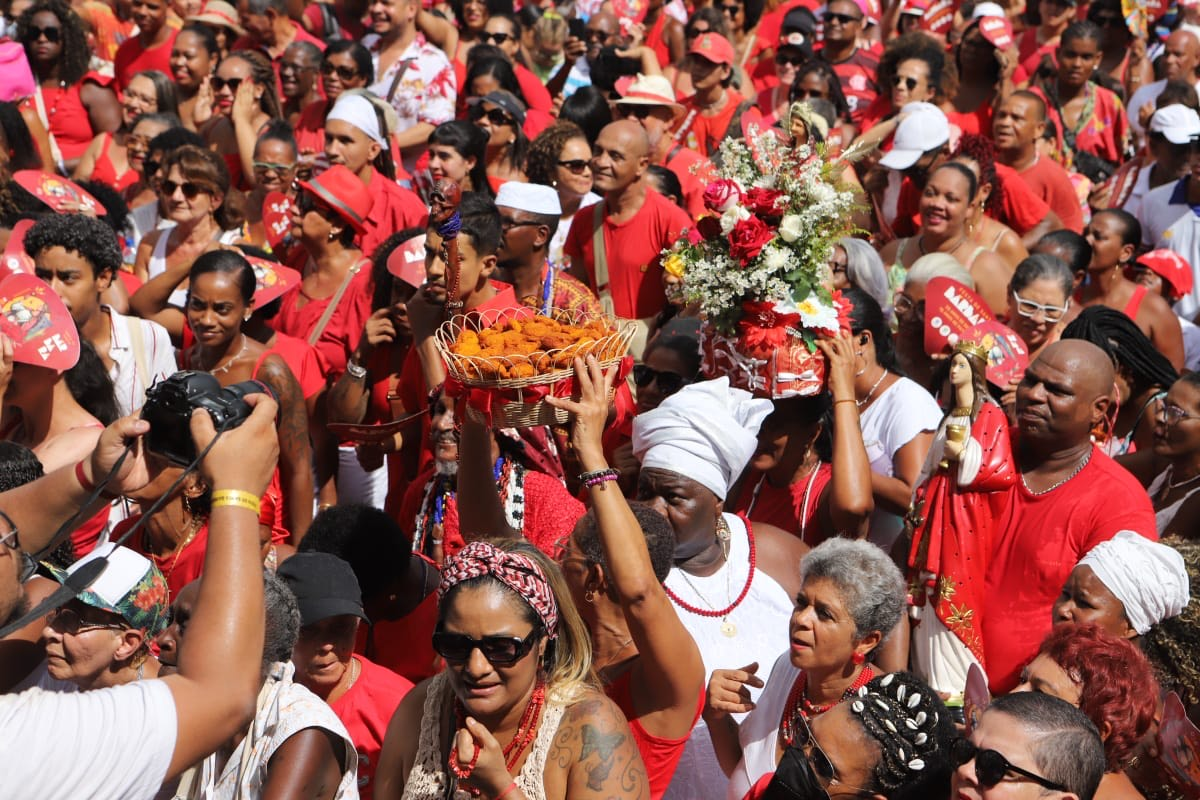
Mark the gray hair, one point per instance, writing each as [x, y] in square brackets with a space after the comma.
[1043, 267]
[283, 620]
[864, 269]
[1064, 743]
[939, 265]
[259, 7]
[871, 585]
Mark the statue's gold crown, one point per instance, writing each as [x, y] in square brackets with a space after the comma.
[972, 349]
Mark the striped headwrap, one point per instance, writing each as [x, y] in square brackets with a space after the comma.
[518, 572]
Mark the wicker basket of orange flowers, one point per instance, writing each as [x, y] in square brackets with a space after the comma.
[509, 362]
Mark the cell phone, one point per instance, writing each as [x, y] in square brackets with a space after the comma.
[577, 28]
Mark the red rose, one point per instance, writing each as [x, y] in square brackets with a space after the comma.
[766, 202]
[709, 228]
[721, 194]
[748, 238]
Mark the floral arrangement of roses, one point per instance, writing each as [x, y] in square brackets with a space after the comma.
[758, 264]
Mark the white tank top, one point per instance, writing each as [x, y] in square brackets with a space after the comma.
[158, 265]
[761, 620]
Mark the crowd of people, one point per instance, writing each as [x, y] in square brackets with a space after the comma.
[921, 581]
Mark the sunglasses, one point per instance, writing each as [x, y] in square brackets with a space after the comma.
[576, 166]
[496, 116]
[814, 762]
[67, 620]
[500, 651]
[909, 83]
[595, 36]
[52, 33]
[305, 203]
[841, 19]
[495, 38]
[668, 382]
[692, 33]
[808, 94]
[345, 73]
[792, 59]
[12, 541]
[991, 766]
[730, 10]
[639, 111]
[1028, 309]
[220, 83]
[267, 166]
[190, 190]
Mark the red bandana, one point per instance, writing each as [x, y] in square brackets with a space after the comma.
[518, 572]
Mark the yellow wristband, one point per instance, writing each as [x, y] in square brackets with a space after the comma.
[235, 497]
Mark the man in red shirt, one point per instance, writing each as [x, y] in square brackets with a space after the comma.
[856, 67]
[151, 48]
[271, 30]
[632, 226]
[650, 101]
[1070, 497]
[354, 139]
[1017, 127]
[363, 694]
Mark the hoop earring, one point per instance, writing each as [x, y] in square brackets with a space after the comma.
[589, 596]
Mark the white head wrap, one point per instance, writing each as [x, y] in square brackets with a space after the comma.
[359, 112]
[532, 198]
[1148, 578]
[706, 431]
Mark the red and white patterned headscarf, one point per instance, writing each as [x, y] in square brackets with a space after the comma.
[518, 572]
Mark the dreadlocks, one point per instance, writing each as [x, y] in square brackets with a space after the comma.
[1117, 335]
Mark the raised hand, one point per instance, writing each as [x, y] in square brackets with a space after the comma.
[729, 691]
[489, 775]
[589, 414]
[840, 352]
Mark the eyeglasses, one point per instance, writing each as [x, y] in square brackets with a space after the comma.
[1029, 309]
[267, 166]
[641, 112]
[507, 223]
[841, 19]
[345, 73]
[793, 59]
[189, 189]
[495, 38]
[500, 651]
[900, 80]
[904, 305]
[496, 116]
[52, 33]
[991, 766]
[668, 382]
[67, 620]
[12, 541]
[1173, 414]
[291, 66]
[576, 166]
[220, 83]
[305, 203]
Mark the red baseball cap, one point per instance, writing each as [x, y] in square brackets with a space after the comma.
[997, 30]
[713, 47]
[1171, 267]
[341, 190]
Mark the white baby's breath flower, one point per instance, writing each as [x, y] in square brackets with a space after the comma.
[775, 258]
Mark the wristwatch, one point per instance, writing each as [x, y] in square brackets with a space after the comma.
[356, 372]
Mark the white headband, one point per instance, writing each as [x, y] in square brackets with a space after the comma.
[359, 112]
[1149, 578]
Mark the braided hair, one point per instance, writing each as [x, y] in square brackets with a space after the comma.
[1124, 342]
[910, 724]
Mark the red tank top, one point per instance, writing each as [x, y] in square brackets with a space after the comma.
[658, 754]
[1135, 301]
[105, 172]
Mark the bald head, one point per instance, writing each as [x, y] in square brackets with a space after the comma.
[1091, 366]
[1182, 56]
[621, 155]
[1063, 396]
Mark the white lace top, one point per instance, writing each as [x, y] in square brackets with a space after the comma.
[427, 778]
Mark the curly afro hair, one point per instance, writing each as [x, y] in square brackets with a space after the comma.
[544, 151]
[1173, 645]
[94, 241]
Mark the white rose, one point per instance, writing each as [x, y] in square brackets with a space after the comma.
[790, 227]
[775, 258]
[731, 217]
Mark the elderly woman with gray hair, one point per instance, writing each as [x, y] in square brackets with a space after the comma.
[851, 595]
[856, 265]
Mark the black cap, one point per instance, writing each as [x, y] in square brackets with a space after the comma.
[799, 20]
[324, 585]
[506, 100]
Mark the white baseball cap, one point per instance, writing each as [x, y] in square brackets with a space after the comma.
[1176, 122]
[924, 128]
[987, 10]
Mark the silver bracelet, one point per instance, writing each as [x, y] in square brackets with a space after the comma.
[356, 372]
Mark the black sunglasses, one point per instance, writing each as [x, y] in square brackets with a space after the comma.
[844, 19]
[220, 83]
[991, 766]
[595, 36]
[794, 59]
[575, 166]
[500, 651]
[900, 80]
[495, 38]
[1107, 21]
[189, 189]
[668, 382]
[51, 33]
[345, 73]
[496, 116]
[639, 111]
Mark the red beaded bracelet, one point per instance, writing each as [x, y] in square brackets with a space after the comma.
[506, 792]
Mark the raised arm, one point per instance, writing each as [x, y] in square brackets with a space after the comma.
[847, 502]
[152, 300]
[480, 511]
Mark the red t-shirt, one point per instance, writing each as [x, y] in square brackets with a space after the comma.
[393, 208]
[633, 251]
[857, 76]
[1040, 540]
[341, 334]
[1049, 181]
[366, 709]
[1029, 54]
[978, 122]
[310, 130]
[534, 91]
[132, 57]
[784, 507]
[405, 645]
[704, 134]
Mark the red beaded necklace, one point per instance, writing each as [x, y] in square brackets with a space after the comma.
[722, 612]
[526, 731]
[798, 704]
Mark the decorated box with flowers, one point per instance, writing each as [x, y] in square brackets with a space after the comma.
[758, 264]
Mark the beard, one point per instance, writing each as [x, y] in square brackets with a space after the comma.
[449, 468]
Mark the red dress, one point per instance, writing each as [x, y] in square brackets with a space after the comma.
[104, 171]
[956, 534]
[68, 118]
[658, 754]
[366, 709]
[785, 507]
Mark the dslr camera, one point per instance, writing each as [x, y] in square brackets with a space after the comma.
[169, 406]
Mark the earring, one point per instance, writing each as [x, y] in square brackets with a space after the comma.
[589, 596]
[331, 236]
[247, 316]
[858, 659]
